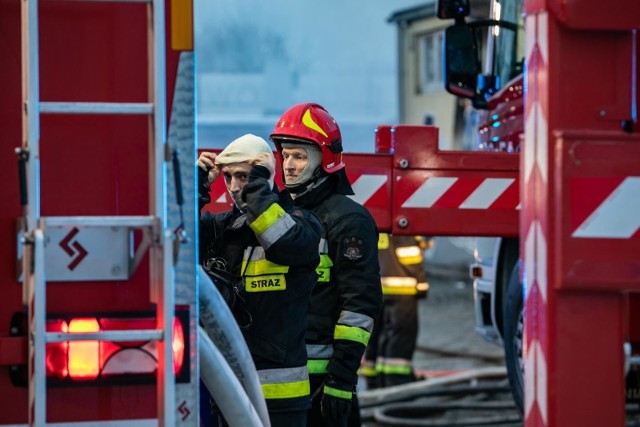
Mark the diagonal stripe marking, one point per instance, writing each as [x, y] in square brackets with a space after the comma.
[366, 186]
[617, 217]
[429, 192]
[486, 193]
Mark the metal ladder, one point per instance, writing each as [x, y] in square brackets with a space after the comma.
[157, 237]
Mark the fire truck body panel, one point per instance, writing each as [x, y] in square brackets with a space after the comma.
[90, 165]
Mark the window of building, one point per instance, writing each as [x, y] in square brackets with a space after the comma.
[430, 62]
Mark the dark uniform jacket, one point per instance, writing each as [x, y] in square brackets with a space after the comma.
[274, 248]
[347, 297]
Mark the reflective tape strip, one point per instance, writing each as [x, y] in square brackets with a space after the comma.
[263, 267]
[337, 393]
[267, 218]
[399, 291]
[277, 230]
[396, 370]
[351, 333]
[398, 281]
[271, 225]
[368, 369]
[323, 246]
[318, 366]
[284, 383]
[324, 269]
[394, 366]
[319, 351]
[399, 285]
[383, 241]
[286, 390]
[409, 255]
[351, 318]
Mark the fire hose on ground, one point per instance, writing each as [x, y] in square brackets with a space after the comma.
[397, 405]
[226, 366]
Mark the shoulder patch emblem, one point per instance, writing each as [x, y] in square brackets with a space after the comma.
[352, 249]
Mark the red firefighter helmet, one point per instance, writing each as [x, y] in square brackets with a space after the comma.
[311, 123]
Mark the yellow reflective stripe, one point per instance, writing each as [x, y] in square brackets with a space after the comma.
[408, 255]
[317, 366]
[395, 290]
[396, 370]
[267, 218]
[324, 268]
[368, 371]
[351, 333]
[337, 393]
[410, 260]
[383, 241]
[286, 390]
[263, 267]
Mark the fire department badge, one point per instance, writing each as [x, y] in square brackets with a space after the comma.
[352, 249]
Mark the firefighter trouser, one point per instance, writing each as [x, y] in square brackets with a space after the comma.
[315, 418]
[396, 334]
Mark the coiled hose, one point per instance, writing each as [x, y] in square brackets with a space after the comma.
[222, 328]
[382, 405]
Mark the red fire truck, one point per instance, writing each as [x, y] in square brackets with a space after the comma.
[98, 243]
[98, 312]
[496, 85]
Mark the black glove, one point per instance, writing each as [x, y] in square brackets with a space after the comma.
[336, 402]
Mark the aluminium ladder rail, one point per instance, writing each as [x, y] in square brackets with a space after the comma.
[161, 249]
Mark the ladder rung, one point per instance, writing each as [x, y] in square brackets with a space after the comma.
[99, 221]
[120, 336]
[96, 108]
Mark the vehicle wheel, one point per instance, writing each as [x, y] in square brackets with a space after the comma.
[514, 337]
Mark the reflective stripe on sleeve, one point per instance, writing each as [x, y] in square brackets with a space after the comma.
[284, 383]
[337, 393]
[351, 333]
[351, 318]
[318, 366]
[271, 225]
[319, 351]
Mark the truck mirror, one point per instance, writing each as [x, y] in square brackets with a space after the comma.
[452, 9]
[461, 61]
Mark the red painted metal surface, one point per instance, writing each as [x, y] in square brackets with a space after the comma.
[90, 165]
[575, 156]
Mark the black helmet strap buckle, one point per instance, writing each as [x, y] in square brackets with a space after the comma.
[336, 146]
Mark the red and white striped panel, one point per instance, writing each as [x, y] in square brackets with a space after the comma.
[460, 193]
[535, 221]
[605, 208]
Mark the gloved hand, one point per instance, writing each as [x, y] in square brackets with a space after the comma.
[336, 402]
[265, 160]
[206, 163]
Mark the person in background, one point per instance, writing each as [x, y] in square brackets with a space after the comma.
[388, 358]
[347, 297]
[270, 246]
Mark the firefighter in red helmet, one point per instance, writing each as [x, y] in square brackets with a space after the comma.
[347, 296]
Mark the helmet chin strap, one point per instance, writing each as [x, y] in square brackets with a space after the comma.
[317, 178]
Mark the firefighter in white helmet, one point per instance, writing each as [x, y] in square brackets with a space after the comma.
[271, 247]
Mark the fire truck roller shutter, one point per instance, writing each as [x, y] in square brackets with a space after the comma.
[224, 387]
[222, 328]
